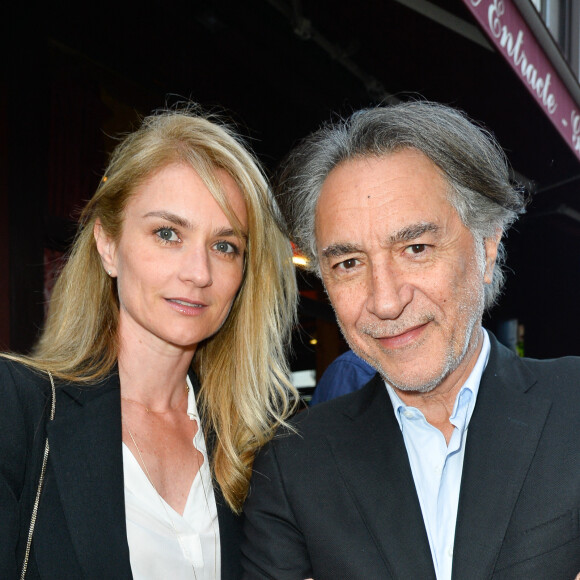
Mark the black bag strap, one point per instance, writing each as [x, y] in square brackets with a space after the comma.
[40, 482]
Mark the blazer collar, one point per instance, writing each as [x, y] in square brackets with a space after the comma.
[86, 456]
[503, 435]
[372, 459]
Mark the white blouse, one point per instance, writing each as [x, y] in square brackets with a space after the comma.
[162, 543]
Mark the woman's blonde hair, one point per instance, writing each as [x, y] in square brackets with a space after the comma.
[245, 393]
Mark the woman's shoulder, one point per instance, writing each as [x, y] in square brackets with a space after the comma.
[17, 367]
[22, 381]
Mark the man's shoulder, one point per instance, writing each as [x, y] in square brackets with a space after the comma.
[554, 369]
[551, 378]
[501, 356]
[338, 412]
[558, 374]
[563, 364]
[312, 432]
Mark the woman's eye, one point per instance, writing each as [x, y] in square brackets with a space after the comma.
[167, 235]
[226, 248]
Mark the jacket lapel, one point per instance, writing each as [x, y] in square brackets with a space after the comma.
[373, 461]
[503, 435]
[86, 456]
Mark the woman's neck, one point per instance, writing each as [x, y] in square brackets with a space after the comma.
[154, 375]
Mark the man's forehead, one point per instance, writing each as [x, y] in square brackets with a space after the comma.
[370, 160]
[383, 186]
[404, 165]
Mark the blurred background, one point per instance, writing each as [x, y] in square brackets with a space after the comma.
[78, 74]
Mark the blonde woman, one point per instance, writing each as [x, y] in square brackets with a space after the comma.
[165, 339]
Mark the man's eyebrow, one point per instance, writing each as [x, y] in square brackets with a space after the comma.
[413, 231]
[335, 250]
[406, 234]
[170, 217]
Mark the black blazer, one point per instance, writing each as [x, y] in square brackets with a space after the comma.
[80, 530]
[337, 499]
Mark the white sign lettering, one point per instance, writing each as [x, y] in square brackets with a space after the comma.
[575, 118]
[514, 49]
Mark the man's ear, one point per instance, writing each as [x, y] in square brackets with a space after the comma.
[491, 249]
[106, 247]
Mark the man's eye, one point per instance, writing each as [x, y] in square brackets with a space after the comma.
[416, 248]
[167, 234]
[348, 264]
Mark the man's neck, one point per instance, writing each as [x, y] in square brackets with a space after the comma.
[437, 405]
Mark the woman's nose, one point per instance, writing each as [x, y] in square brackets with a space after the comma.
[196, 267]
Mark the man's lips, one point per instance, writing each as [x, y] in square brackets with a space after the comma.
[403, 338]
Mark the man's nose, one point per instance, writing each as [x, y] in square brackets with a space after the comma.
[389, 292]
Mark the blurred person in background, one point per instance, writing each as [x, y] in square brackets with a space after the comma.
[345, 374]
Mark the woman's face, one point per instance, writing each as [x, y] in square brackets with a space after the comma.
[178, 262]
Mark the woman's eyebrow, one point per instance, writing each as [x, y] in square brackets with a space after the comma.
[229, 232]
[171, 217]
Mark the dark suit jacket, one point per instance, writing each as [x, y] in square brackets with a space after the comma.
[337, 499]
[80, 530]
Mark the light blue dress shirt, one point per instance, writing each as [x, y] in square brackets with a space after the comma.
[436, 466]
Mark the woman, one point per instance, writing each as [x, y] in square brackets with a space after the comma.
[178, 265]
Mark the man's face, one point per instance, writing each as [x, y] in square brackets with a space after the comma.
[404, 275]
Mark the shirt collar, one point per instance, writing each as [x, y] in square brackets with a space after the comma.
[467, 393]
[191, 405]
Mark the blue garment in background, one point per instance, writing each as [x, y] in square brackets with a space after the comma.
[347, 373]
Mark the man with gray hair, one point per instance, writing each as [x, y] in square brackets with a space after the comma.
[458, 459]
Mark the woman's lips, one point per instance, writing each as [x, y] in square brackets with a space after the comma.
[185, 306]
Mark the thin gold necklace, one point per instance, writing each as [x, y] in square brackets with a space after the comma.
[163, 503]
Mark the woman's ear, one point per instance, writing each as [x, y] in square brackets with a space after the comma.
[106, 247]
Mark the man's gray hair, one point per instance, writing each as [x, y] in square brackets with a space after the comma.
[471, 160]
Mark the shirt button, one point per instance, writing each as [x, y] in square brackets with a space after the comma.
[408, 414]
[450, 552]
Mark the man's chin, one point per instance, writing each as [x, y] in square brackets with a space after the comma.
[405, 381]
[414, 386]
[416, 383]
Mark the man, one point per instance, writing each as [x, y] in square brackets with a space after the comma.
[458, 459]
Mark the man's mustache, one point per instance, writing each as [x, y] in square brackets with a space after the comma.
[392, 328]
